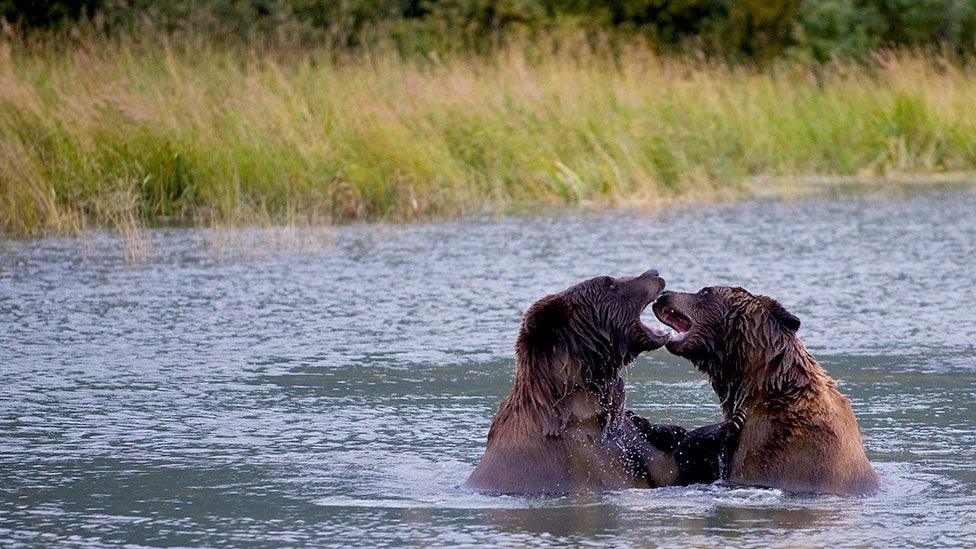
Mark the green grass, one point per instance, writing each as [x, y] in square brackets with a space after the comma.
[136, 131]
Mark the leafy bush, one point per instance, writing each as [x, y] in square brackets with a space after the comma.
[817, 29]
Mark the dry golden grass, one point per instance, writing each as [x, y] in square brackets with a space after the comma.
[135, 131]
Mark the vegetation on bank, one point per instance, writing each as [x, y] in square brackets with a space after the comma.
[147, 127]
[733, 29]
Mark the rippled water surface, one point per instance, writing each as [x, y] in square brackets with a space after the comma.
[339, 393]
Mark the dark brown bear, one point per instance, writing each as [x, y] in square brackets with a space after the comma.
[563, 427]
[800, 433]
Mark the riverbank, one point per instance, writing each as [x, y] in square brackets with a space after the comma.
[132, 132]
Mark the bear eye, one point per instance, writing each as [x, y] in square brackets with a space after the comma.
[705, 291]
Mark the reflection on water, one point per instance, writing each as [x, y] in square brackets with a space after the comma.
[342, 396]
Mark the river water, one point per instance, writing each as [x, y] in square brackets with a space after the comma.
[339, 391]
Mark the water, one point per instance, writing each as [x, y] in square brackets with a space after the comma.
[340, 393]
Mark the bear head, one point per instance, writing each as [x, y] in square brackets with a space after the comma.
[596, 323]
[722, 330]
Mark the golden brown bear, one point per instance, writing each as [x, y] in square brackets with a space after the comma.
[800, 433]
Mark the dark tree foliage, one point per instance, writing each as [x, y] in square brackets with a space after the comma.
[43, 13]
[818, 29]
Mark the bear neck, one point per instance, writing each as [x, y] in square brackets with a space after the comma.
[550, 387]
[725, 380]
[766, 373]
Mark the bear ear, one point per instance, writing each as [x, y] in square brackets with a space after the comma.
[786, 319]
[545, 319]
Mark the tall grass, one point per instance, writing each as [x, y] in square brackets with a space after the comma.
[137, 130]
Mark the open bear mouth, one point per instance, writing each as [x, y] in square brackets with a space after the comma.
[657, 332]
[675, 319]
